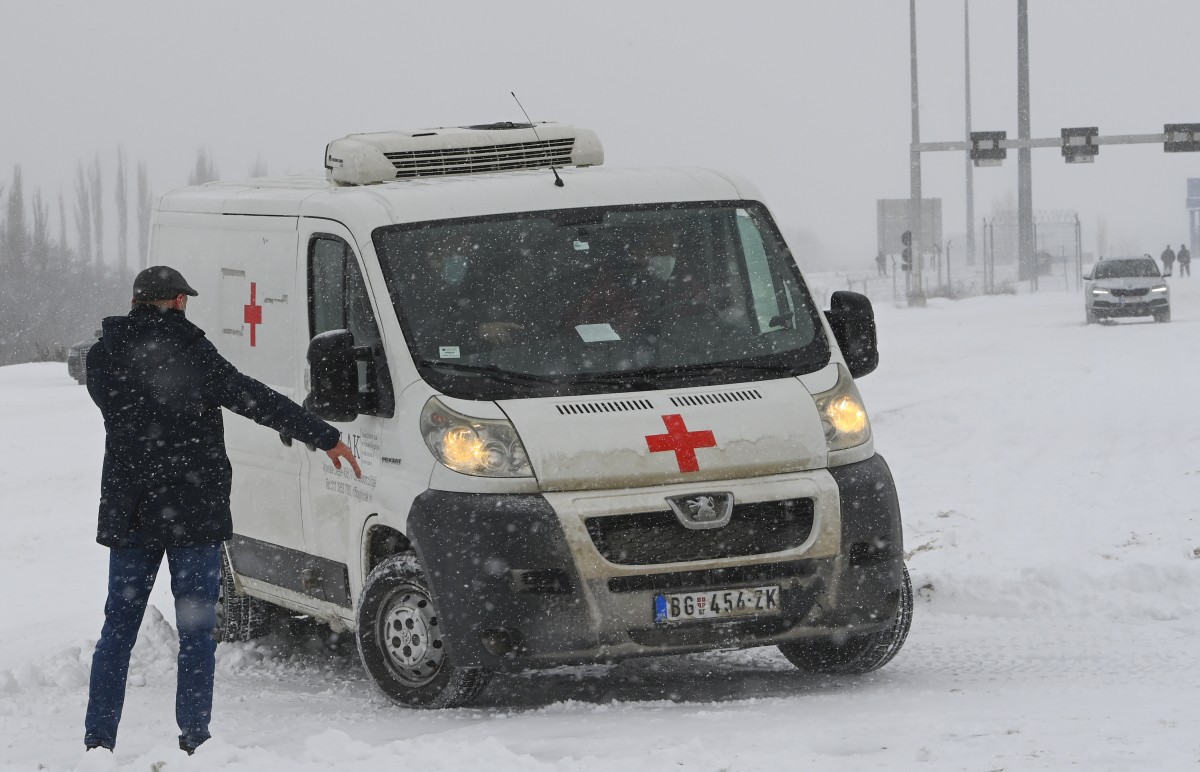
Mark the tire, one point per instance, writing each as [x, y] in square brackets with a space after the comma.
[240, 617]
[1091, 316]
[1163, 316]
[400, 644]
[855, 654]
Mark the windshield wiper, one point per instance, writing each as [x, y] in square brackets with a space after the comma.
[653, 378]
[495, 373]
[771, 368]
[634, 380]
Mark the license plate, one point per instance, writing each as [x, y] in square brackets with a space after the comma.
[716, 604]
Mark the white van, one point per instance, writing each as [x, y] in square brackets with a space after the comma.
[598, 413]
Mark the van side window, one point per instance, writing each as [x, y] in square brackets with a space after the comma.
[327, 287]
[772, 304]
[338, 294]
[338, 300]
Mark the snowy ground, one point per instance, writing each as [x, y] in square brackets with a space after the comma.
[1050, 478]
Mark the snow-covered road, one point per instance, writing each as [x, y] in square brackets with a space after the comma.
[1050, 478]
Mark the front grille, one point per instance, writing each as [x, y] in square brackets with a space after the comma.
[1129, 293]
[489, 158]
[648, 538]
[714, 577]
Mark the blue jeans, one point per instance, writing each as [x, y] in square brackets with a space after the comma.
[195, 583]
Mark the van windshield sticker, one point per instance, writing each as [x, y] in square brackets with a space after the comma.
[596, 333]
[449, 352]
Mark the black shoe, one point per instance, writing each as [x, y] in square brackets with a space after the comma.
[187, 747]
[93, 746]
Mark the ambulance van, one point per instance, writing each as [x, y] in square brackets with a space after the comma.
[599, 413]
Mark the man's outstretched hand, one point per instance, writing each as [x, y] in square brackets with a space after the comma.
[342, 450]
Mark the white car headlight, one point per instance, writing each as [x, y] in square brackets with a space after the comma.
[1100, 291]
[482, 447]
[843, 414]
[1163, 288]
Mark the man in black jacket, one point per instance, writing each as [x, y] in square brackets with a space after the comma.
[160, 385]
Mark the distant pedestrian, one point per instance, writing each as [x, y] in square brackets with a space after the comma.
[1185, 261]
[160, 385]
[1168, 260]
[881, 264]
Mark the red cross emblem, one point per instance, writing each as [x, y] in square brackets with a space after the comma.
[683, 442]
[253, 316]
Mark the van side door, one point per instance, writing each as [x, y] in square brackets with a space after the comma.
[252, 312]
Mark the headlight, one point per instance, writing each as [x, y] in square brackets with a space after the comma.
[1163, 288]
[1100, 291]
[842, 413]
[475, 446]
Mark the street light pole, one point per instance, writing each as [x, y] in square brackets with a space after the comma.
[916, 295]
[1026, 259]
[967, 157]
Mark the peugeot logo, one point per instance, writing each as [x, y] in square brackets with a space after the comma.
[702, 510]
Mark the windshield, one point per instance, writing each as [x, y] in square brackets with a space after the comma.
[1121, 269]
[582, 301]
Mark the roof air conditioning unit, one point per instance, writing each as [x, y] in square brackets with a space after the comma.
[363, 159]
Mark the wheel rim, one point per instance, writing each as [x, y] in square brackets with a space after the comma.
[409, 635]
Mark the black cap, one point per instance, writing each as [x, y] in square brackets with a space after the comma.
[161, 282]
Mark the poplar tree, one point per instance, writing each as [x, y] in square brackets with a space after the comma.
[122, 213]
[96, 181]
[144, 205]
[83, 214]
[16, 235]
[205, 169]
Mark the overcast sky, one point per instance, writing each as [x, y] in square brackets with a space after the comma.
[808, 99]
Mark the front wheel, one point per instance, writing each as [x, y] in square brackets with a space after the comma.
[1163, 316]
[855, 653]
[401, 644]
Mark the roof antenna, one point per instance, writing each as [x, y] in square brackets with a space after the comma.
[557, 180]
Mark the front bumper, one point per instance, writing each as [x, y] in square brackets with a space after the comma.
[75, 366]
[520, 584]
[1141, 306]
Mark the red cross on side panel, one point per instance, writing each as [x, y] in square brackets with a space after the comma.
[682, 442]
[253, 315]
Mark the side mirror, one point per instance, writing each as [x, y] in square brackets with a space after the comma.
[853, 323]
[332, 362]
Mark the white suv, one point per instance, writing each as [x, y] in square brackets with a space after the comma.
[1126, 286]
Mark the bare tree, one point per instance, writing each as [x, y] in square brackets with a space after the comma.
[205, 169]
[258, 168]
[44, 306]
[83, 213]
[144, 205]
[122, 213]
[96, 180]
